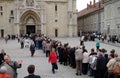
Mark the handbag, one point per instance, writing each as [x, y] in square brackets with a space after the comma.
[117, 69]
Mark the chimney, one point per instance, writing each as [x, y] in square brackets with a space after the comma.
[87, 6]
[102, 1]
[90, 2]
[94, 3]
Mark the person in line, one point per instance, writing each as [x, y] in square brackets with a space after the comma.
[53, 60]
[97, 46]
[3, 72]
[12, 65]
[22, 42]
[78, 59]
[6, 39]
[117, 75]
[2, 54]
[47, 48]
[31, 70]
[101, 65]
[82, 40]
[32, 49]
[110, 66]
[85, 61]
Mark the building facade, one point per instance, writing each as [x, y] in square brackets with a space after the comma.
[112, 17]
[91, 19]
[53, 18]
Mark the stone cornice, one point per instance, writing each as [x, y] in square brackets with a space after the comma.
[110, 2]
[56, 1]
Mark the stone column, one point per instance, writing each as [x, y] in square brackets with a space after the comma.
[16, 16]
[70, 16]
[43, 18]
[74, 19]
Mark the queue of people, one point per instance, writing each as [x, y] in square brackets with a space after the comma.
[98, 64]
[94, 63]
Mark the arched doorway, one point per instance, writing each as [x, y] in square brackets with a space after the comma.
[30, 26]
[30, 23]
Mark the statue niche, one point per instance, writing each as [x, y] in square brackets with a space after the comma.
[30, 2]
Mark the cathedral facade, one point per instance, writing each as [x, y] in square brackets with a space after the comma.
[53, 18]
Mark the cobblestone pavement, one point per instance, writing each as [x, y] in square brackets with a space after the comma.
[43, 68]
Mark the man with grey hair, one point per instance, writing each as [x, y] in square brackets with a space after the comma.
[11, 66]
[3, 72]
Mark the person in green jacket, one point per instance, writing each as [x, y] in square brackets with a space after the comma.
[97, 45]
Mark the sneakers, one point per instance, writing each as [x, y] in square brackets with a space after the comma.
[78, 74]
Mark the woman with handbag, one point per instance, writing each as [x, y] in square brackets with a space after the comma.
[53, 60]
[117, 68]
[110, 66]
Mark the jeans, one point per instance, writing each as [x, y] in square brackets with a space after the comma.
[54, 67]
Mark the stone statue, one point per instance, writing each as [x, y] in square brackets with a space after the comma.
[30, 2]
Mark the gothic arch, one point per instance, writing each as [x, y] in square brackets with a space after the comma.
[28, 14]
[24, 19]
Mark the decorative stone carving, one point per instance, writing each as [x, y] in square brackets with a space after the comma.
[30, 2]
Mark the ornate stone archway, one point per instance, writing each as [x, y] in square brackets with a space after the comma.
[30, 19]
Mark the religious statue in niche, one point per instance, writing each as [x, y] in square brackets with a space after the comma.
[30, 2]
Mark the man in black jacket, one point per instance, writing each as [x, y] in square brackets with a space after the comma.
[31, 70]
[101, 65]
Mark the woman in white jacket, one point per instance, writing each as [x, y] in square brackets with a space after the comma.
[85, 62]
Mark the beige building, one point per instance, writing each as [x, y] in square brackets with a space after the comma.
[112, 17]
[53, 18]
[91, 19]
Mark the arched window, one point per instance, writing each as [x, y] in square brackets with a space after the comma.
[55, 7]
[1, 8]
[11, 12]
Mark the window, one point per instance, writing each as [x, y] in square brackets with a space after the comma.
[1, 8]
[9, 20]
[119, 10]
[70, 15]
[55, 7]
[56, 20]
[11, 12]
[1, 13]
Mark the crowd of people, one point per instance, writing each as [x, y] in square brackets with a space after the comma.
[99, 63]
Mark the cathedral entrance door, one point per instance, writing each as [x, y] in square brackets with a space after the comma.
[30, 29]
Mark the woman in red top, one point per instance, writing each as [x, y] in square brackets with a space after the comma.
[53, 60]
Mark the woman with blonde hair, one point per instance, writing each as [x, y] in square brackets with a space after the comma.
[116, 56]
[110, 66]
[117, 75]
